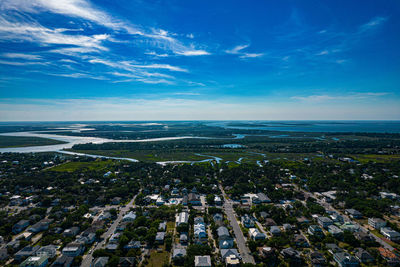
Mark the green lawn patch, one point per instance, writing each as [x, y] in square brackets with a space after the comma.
[79, 166]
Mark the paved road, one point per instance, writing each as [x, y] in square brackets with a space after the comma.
[347, 218]
[240, 240]
[88, 258]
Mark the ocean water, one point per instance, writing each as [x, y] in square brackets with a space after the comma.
[313, 126]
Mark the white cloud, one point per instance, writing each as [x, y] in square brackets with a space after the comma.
[22, 56]
[373, 23]
[14, 63]
[251, 55]
[348, 97]
[193, 53]
[236, 49]
[32, 31]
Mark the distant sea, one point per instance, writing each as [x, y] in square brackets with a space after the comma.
[291, 126]
[314, 126]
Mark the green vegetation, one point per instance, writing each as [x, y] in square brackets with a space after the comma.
[22, 141]
[79, 166]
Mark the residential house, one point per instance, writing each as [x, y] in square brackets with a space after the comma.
[266, 252]
[317, 259]
[226, 243]
[127, 262]
[263, 198]
[20, 226]
[25, 252]
[348, 226]
[182, 217]
[160, 236]
[389, 256]
[129, 217]
[100, 262]
[354, 213]
[255, 234]
[111, 247]
[178, 253]
[225, 253]
[63, 261]
[160, 201]
[324, 222]
[223, 232]
[40, 226]
[199, 230]
[202, 261]
[335, 231]
[194, 199]
[363, 256]
[344, 259]
[333, 248]
[335, 217]
[35, 261]
[269, 222]
[302, 220]
[362, 236]
[390, 234]
[183, 238]
[162, 226]
[287, 227]
[133, 245]
[232, 261]
[315, 230]
[377, 223]
[274, 230]
[218, 217]
[247, 221]
[300, 241]
[50, 251]
[292, 254]
[70, 232]
[217, 200]
[73, 249]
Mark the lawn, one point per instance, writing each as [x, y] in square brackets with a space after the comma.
[22, 141]
[157, 259]
[75, 166]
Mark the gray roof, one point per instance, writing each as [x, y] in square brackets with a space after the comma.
[101, 261]
[228, 252]
[202, 261]
[179, 252]
[222, 231]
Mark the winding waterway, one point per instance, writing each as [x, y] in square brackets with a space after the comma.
[70, 141]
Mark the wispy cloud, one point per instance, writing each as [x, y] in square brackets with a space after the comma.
[14, 63]
[22, 56]
[238, 50]
[373, 23]
[348, 97]
[193, 53]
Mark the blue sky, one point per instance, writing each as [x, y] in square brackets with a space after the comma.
[181, 60]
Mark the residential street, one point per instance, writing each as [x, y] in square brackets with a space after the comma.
[240, 240]
[88, 258]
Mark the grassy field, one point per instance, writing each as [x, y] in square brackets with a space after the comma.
[76, 166]
[157, 259]
[20, 141]
[364, 158]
